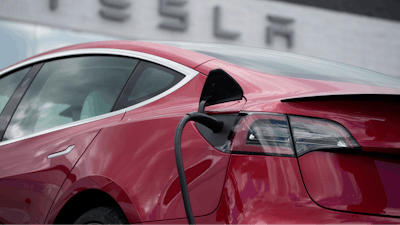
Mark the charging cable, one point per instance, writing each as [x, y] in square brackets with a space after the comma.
[207, 121]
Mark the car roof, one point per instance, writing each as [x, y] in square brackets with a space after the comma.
[267, 75]
[185, 57]
[290, 65]
[258, 84]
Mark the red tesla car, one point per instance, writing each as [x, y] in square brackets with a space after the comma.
[87, 136]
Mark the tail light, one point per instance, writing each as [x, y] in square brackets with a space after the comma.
[315, 134]
[263, 134]
[269, 134]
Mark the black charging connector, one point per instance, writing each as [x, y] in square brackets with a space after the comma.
[219, 87]
[207, 121]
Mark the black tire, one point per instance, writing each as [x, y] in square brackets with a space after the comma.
[103, 215]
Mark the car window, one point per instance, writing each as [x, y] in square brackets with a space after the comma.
[151, 80]
[9, 84]
[68, 90]
[148, 80]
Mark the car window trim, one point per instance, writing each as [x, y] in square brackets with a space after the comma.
[187, 71]
[132, 75]
[189, 74]
[16, 97]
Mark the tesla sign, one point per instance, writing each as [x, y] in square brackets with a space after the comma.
[176, 19]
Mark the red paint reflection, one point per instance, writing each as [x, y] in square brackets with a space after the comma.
[191, 174]
[355, 182]
[261, 189]
[383, 130]
[365, 172]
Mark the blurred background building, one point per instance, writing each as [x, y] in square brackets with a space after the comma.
[364, 33]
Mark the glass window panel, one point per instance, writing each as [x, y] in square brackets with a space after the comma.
[68, 90]
[151, 81]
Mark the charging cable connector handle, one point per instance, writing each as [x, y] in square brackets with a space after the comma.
[207, 121]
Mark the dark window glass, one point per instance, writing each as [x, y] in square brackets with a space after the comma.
[148, 80]
[68, 90]
[152, 80]
[9, 84]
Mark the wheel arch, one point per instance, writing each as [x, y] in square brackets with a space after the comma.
[87, 193]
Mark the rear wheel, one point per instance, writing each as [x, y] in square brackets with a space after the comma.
[103, 215]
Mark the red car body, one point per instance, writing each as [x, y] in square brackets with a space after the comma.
[127, 158]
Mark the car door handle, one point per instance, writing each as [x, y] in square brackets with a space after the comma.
[66, 151]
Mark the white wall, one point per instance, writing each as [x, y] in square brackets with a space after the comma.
[356, 40]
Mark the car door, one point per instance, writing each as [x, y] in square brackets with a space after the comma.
[66, 105]
[143, 161]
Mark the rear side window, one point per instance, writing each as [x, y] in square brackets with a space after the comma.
[9, 84]
[152, 80]
[148, 80]
[68, 90]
